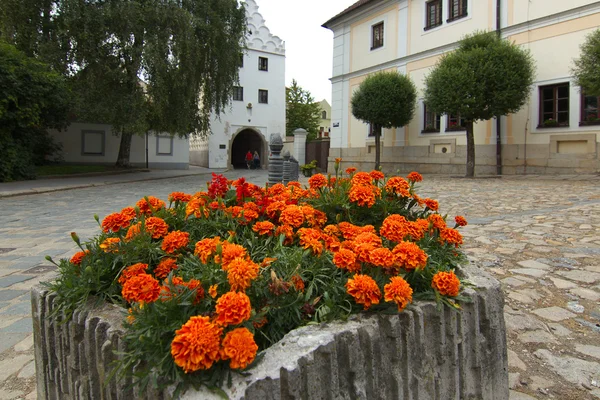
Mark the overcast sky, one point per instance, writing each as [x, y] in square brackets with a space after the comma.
[308, 46]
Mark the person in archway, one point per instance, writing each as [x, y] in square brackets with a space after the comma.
[249, 159]
[256, 160]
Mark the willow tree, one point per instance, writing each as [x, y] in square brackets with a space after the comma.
[384, 100]
[486, 77]
[138, 65]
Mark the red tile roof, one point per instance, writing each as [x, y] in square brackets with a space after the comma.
[348, 10]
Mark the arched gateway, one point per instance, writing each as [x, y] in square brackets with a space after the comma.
[247, 139]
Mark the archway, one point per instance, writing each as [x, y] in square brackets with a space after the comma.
[246, 140]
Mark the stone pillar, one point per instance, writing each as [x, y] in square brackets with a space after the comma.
[286, 167]
[300, 145]
[294, 169]
[275, 159]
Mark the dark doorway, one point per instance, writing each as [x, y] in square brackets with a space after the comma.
[246, 140]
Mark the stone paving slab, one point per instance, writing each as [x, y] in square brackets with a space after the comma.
[546, 224]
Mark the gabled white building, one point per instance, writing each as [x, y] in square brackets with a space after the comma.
[257, 108]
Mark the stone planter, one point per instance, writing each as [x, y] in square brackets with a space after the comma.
[420, 353]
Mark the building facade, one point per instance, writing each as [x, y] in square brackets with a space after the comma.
[325, 122]
[90, 144]
[555, 132]
[257, 109]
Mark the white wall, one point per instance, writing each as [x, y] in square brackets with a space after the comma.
[96, 144]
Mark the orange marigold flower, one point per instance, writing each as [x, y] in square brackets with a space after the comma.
[165, 266]
[155, 204]
[416, 229]
[361, 179]
[350, 170]
[240, 272]
[131, 271]
[382, 257]
[267, 261]
[317, 181]
[437, 221]
[212, 291]
[377, 175]
[141, 288]
[362, 195]
[349, 231]
[260, 323]
[115, 222]
[394, 228]
[229, 252]
[410, 256]
[239, 347]
[292, 215]
[129, 212]
[157, 227]
[431, 204]
[175, 241]
[180, 196]
[368, 237]
[447, 283]
[364, 289]
[264, 228]
[233, 308]
[460, 220]
[110, 245]
[197, 206]
[397, 185]
[310, 238]
[363, 250]
[78, 257]
[332, 243]
[399, 291]
[197, 344]
[206, 248]
[414, 177]
[298, 282]
[452, 236]
[332, 230]
[287, 231]
[133, 231]
[346, 259]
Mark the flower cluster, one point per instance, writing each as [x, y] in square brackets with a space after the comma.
[230, 270]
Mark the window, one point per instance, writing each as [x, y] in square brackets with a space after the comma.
[377, 36]
[263, 96]
[431, 121]
[324, 115]
[371, 132]
[554, 105]
[263, 64]
[590, 113]
[433, 14]
[164, 145]
[242, 60]
[455, 123]
[238, 93]
[92, 143]
[457, 9]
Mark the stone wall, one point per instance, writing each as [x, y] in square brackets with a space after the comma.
[516, 160]
[421, 353]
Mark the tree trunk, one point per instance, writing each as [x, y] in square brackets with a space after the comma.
[377, 147]
[470, 150]
[124, 150]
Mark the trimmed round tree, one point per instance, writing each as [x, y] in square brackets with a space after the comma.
[486, 77]
[586, 70]
[384, 100]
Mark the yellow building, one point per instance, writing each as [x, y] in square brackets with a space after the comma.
[325, 122]
[409, 36]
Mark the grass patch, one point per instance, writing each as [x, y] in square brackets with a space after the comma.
[47, 170]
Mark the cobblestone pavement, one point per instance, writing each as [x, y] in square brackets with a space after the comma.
[540, 236]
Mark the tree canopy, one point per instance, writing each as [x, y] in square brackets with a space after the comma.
[137, 64]
[586, 70]
[384, 100]
[486, 77]
[32, 99]
[302, 111]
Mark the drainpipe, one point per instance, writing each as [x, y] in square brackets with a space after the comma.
[498, 118]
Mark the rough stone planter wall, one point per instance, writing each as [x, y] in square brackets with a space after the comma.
[420, 353]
